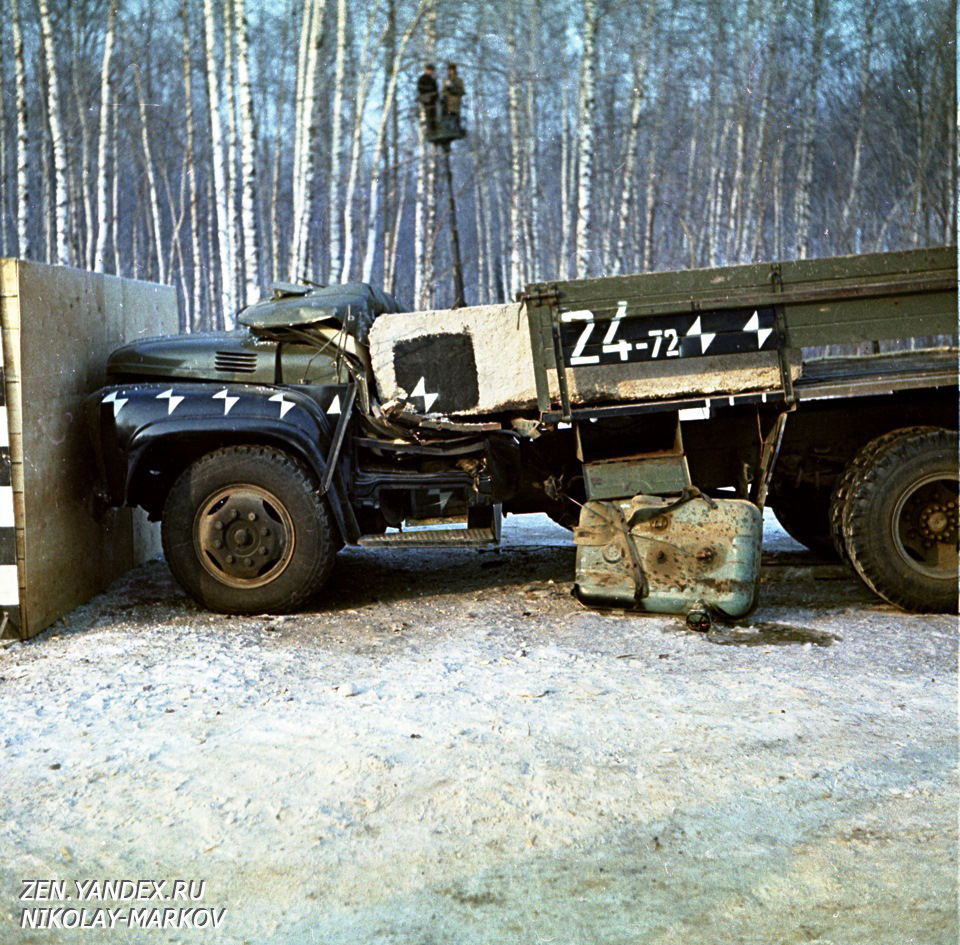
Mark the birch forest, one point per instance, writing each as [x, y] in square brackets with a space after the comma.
[221, 145]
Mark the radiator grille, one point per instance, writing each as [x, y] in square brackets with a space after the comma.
[236, 362]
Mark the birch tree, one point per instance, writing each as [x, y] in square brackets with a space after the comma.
[23, 141]
[385, 117]
[391, 149]
[743, 104]
[304, 165]
[248, 138]
[690, 243]
[4, 174]
[950, 217]
[807, 134]
[747, 248]
[103, 143]
[306, 24]
[190, 176]
[650, 187]
[115, 190]
[356, 143]
[866, 53]
[426, 188]
[585, 144]
[715, 193]
[83, 227]
[154, 205]
[566, 175]
[59, 189]
[620, 229]
[278, 149]
[220, 205]
[532, 152]
[233, 164]
[516, 157]
[333, 181]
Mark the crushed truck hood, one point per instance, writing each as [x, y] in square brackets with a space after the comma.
[226, 355]
[354, 305]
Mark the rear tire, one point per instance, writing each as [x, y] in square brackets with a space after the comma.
[899, 521]
[244, 531]
[854, 469]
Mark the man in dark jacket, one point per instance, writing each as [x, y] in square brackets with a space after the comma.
[427, 97]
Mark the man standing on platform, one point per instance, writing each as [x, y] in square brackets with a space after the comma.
[453, 92]
[427, 97]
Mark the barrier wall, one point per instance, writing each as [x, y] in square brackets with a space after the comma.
[58, 327]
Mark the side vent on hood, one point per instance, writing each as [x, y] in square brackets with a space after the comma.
[236, 362]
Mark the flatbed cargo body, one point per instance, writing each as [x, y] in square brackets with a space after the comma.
[661, 336]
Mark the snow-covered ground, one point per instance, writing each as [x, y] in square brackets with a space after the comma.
[452, 750]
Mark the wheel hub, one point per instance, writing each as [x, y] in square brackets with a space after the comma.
[925, 526]
[939, 522]
[244, 536]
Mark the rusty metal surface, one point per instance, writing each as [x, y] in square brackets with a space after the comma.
[699, 551]
[656, 475]
[434, 538]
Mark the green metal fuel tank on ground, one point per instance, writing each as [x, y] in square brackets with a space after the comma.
[669, 556]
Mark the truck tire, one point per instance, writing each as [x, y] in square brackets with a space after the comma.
[244, 531]
[855, 468]
[900, 521]
[804, 512]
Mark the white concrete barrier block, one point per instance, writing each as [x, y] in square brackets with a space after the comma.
[58, 327]
[461, 362]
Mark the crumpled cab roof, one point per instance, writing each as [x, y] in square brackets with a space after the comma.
[293, 306]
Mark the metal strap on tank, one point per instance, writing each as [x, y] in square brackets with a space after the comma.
[641, 588]
[646, 513]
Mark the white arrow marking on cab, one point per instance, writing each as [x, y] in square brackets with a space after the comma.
[117, 402]
[173, 400]
[285, 405]
[228, 401]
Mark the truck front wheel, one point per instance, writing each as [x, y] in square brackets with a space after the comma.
[244, 531]
[900, 518]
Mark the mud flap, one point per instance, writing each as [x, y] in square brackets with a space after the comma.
[664, 556]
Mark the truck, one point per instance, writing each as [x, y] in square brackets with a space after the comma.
[653, 415]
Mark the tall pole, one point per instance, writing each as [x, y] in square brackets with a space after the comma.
[459, 301]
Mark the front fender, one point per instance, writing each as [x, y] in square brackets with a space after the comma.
[146, 426]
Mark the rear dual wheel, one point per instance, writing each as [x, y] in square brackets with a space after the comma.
[244, 531]
[898, 518]
[855, 469]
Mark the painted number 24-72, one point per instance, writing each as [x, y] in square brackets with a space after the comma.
[661, 342]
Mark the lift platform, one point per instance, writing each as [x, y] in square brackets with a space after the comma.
[446, 129]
